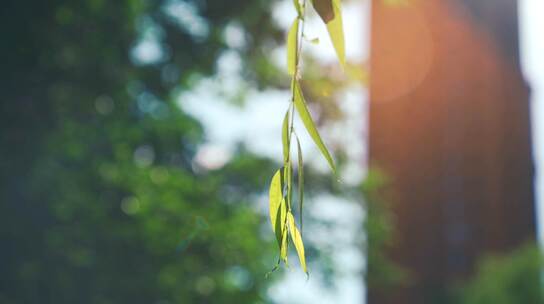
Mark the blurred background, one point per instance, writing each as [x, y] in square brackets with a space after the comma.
[138, 139]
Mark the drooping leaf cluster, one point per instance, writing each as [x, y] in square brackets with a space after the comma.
[281, 187]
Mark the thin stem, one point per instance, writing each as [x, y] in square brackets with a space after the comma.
[301, 38]
[297, 65]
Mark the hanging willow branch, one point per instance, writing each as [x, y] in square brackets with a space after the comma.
[280, 194]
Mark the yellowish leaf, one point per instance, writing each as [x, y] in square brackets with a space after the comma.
[277, 207]
[336, 32]
[297, 240]
[292, 48]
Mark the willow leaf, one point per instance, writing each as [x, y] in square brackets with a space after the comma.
[277, 207]
[300, 182]
[288, 182]
[297, 240]
[286, 138]
[308, 122]
[284, 245]
[336, 32]
[292, 48]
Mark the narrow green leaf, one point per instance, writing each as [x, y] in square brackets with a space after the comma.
[288, 181]
[292, 48]
[297, 241]
[300, 182]
[277, 207]
[336, 32]
[284, 245]
[330, 12]
[286, 138]
[302, 109]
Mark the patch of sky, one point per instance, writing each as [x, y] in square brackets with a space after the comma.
[185, 14]
[148, 49]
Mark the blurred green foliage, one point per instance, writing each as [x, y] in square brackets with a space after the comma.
[510, 278]
[382, 274]
[101, 201]
[507, 279]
